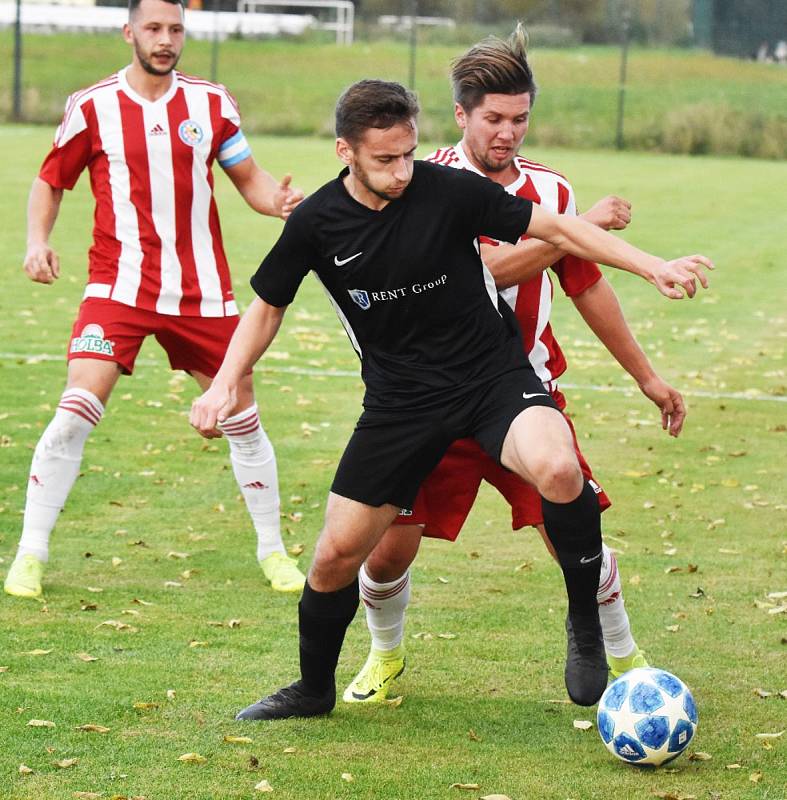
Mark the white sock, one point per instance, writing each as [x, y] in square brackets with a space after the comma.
[254, 464]
[55, 467]
[385, 604]
[618, 641]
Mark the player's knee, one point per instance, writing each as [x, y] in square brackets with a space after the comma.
[335, 562]
[385, 567]
[559, 478]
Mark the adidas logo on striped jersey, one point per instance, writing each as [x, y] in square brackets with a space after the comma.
[157, 130]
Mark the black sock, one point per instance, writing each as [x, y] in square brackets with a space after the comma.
[323, 618]
[575, 532]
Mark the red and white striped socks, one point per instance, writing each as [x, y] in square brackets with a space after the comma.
[55, 467]
[618, 641]
[254, 464]
[385, 605]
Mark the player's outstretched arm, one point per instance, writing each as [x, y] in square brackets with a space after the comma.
[41, 262]
[252, 337]
[583, 239]
[600, 308]
[521, 262]
[262, 191]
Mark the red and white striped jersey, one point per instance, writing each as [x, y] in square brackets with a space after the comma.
[532, 300]
[156, 237]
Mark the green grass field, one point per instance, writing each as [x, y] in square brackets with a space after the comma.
[705, 512]
[679, 101]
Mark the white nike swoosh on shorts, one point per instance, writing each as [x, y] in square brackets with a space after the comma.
[341, 262]
[528, 395]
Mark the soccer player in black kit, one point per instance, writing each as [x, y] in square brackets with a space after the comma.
[393, 241]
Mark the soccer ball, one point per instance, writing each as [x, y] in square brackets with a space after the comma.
[647, 716]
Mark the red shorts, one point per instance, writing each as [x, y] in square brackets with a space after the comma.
[448, 494]
[113, 331]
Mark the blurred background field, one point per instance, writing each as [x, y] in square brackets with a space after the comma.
[702, 76]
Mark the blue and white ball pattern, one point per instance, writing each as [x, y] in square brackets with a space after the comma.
[647, 716]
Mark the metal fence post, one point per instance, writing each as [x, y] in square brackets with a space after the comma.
[18, 62]
[619, 141]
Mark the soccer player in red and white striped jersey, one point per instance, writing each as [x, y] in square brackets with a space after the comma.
[494, 91]
[148, 136]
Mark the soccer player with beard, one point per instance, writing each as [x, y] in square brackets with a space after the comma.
[494, 92]
[394, 244]
[148, 136]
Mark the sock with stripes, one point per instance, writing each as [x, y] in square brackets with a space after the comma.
[254, 464]
[385, 605]
[618, 641]
[55, 467]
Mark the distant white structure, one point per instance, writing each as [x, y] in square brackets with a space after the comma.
[343, 12]
[81, 16]
[404, 23]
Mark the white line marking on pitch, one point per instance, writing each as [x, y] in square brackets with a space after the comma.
[313, 372]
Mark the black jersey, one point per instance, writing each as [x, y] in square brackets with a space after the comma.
[407, 282]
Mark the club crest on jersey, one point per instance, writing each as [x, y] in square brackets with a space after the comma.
[190, 132]
[361, 298]
[92, 341]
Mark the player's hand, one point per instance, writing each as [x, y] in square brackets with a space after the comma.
[682, 273]
[669, 401]
[211, 409]
[41, 264]
[286, 197]
[610, 213]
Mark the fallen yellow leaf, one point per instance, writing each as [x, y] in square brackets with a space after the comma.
[755, 777]
[37, 652]
[25, 770]
[192, 758]
[583, 724]
[65, 763]
[238, 739]
[290, 750]
[263, 786]
[90, 728]
[394, 702]
[145, 706]
[700, 756]
[347, 776]
[41, 723]
[469, 786]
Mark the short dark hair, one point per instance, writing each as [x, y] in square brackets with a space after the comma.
[133, 5]
[373, 104]
[493, 67]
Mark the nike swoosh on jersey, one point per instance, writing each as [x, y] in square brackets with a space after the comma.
[341, 262]
[528, 395]
[586, 560]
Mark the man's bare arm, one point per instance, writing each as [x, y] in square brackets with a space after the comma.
[514, 264]
[582, 239]
[600, 308]
[256, 330]
[262, 191]
[41, 262]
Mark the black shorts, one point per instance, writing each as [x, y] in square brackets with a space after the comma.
[391, 452]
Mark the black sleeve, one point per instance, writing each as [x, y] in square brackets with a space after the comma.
[280, 274]
[494, 212]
